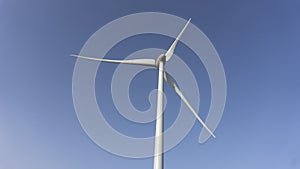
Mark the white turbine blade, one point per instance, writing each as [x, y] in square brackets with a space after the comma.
[170, 52]
[143, 62]
[174, 86]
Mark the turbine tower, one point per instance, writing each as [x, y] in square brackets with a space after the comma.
[159, 64]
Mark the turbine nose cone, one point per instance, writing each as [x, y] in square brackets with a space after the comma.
[161, 57]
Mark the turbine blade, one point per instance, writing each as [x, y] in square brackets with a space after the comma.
[170, 52]
[143, 62]
[174, 86]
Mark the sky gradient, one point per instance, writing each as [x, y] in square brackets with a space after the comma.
[258, 43]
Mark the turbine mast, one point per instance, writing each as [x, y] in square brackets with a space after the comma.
[159, 140]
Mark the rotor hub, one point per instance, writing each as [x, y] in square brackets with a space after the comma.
[161, 57]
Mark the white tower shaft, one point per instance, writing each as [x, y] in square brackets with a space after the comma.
[159, 139]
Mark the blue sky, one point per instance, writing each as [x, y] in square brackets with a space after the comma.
[258, 43]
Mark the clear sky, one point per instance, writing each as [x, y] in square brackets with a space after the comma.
[258, 43]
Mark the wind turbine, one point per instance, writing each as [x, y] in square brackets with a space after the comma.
[159, 64]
